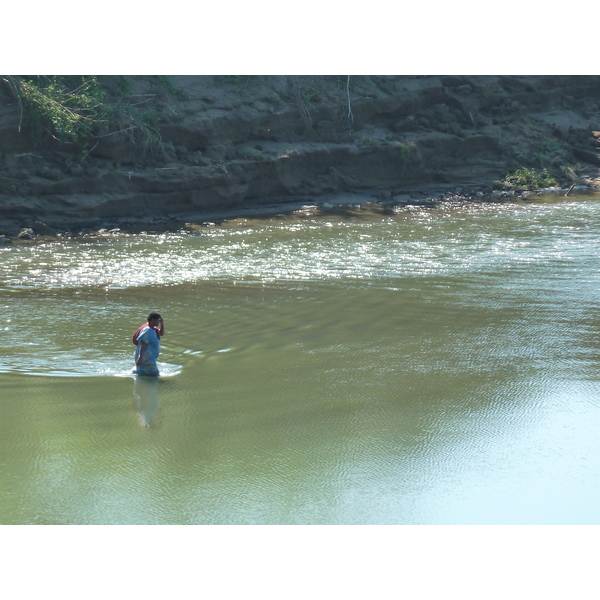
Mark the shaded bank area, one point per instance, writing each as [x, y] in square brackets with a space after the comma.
[165, 150]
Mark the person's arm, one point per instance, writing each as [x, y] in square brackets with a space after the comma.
[142, 346]
[162, 327]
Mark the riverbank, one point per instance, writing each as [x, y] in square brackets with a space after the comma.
[209, 148]
[345, 205]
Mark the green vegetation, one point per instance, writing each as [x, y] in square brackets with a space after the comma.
[372, 142]
[405, 150]
[528, 179]
[66, 107]
[164, 82]
[85, 108]
[307, 94]
[552, 153]
[548, 154]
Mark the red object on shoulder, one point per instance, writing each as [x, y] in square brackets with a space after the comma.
[136, 335]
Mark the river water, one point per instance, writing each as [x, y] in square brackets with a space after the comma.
[439, 365]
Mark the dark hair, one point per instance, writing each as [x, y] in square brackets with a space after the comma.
[153, 315]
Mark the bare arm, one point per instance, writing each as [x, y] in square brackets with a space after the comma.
[141, 355]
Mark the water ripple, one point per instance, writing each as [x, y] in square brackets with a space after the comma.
[443, 241]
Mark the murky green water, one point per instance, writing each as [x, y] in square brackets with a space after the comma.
[441, 365]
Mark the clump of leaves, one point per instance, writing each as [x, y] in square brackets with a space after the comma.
[66, 107]
[529, 179]
[76, 110]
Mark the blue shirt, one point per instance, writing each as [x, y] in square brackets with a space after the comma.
[149, 348]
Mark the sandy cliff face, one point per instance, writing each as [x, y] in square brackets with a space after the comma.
[222, 144]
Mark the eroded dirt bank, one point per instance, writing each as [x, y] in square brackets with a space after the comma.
[227, 146]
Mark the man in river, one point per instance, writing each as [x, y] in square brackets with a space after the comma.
[147, 341]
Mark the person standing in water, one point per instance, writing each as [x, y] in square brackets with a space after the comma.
[147, 341]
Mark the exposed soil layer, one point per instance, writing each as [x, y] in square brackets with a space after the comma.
[232, 146]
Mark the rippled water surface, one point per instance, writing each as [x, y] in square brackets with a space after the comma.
[438, 365]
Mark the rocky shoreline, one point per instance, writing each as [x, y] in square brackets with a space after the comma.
[250, 147]
[357, 205]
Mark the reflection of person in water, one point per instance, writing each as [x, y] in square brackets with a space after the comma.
[147, 340]
[147, 403]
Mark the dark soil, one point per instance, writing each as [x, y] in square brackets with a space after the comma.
[236, 146]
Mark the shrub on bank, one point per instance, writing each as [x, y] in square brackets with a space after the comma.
[529, 179]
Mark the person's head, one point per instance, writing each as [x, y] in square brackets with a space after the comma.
[154, 319]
